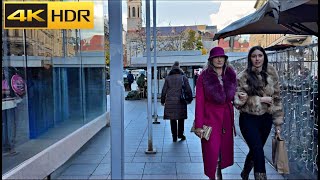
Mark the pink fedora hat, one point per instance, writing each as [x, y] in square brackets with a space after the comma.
[217, 52]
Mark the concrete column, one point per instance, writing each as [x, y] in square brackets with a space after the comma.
[116, 89]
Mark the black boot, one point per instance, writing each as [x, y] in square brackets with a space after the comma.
[218, 172]
[173, 124]
[182, 137]
[181, 130]
[260, 176]
[248, 165]
[174, 138]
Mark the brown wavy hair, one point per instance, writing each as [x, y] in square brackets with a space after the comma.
[256, 86]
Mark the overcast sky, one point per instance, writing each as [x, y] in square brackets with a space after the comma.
[207, 12]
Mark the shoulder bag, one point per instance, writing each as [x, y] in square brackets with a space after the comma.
[185, 97]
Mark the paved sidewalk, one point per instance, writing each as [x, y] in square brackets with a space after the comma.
[173, 160]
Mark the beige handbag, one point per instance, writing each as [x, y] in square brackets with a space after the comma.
[206, 130]
[280, 155]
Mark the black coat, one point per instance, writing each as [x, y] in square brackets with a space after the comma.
[130, 78]
[174, 109]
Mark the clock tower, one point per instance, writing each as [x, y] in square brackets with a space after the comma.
[134, 19]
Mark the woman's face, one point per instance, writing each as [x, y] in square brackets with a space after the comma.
[257, 58]
[218, 62]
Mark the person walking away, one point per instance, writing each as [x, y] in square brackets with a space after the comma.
[258, 99]
[195, 78]
[130, 79]
[141, 81]
[215, 91]
[174, 108]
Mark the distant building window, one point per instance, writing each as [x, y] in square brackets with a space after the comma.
[133, 12]
[129, 12]
[138, 11]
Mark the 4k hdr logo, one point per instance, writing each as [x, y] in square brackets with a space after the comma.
[48, 15]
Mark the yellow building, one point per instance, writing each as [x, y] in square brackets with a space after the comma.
[45, 43]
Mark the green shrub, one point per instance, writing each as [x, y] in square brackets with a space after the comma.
[133, 95]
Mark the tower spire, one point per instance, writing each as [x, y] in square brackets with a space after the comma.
[134, 11]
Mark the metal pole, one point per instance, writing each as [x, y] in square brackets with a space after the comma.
[155, 69]
[150, 149]
[116, 90]
[231, 43]
[82, 84]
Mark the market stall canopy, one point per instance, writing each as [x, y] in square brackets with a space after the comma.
[278, 47]
[299, 15]
[277, 17]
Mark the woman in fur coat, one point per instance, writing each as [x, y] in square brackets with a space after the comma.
[258, 99]
[215, 90]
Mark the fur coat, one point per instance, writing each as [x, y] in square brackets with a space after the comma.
[252, 104]
[214, 91]
[214, 108]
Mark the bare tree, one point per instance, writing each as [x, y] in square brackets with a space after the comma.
[174, 41]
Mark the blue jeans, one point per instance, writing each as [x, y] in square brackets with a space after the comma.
[255, 129]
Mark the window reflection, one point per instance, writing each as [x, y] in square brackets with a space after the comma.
[63, 73]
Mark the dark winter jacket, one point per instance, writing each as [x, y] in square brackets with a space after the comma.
[130, 78]
[170, 96]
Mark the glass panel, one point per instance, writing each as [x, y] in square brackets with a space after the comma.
[64, 80]
[95, 92]
[15, 126]
[92, 47]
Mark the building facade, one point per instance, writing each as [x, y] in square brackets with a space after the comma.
[170, 38]
[237, 46]
[134, 18]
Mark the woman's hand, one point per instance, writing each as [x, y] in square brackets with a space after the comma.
[237, 107]
[242, 96]
[267, 100]
[277, 129]
[199, 132]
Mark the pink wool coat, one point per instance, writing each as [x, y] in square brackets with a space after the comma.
[214, 108]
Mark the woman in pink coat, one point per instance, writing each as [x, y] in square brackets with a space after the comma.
[215, 90]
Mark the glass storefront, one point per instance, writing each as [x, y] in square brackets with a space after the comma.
[53, 83]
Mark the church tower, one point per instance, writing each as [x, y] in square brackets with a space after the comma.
[134, 19]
